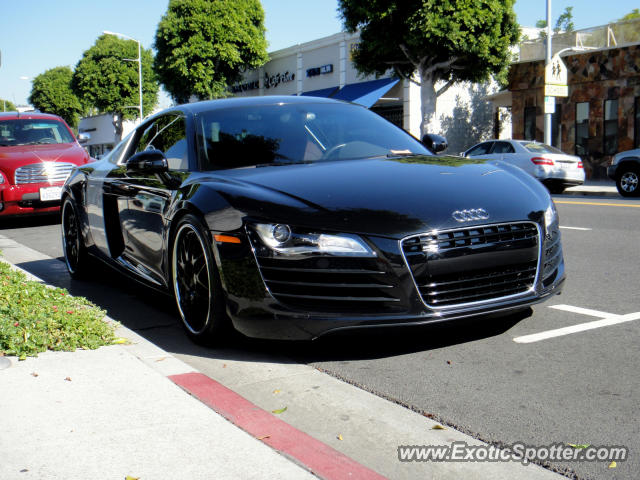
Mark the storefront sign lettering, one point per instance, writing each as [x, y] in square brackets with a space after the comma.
[313, 72]
[275, 80]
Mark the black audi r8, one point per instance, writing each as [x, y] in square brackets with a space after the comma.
[291, 217]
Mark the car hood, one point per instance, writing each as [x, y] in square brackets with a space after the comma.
[391, 197]
[16, 156]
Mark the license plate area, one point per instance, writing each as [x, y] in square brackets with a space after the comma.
[50, 194]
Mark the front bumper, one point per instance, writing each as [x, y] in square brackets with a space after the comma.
[571, 177]
[262, 311]
[612, 171]
[24, 199]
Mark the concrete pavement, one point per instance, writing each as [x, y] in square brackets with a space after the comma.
[120, 411]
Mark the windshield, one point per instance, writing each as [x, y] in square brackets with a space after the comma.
[539, 148]
[273, 134]
[24, 131]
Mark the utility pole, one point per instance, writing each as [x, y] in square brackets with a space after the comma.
[547, 61]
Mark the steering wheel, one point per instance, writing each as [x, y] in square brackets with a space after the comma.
[47, 140]
[332, 151]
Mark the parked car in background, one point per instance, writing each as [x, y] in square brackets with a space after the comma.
[554, 168]
[291, 217]
[37, 153]
[625, 170]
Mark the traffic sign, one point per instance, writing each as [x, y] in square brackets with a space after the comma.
[556, 91]
[549, 104]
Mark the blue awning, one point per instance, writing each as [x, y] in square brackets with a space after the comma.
[366, 93]
[323, 92]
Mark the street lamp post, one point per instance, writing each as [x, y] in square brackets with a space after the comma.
[139, 60]
[547, 61]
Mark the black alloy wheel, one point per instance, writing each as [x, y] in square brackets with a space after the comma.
[627, 181]
[75, 254]
[196, 283]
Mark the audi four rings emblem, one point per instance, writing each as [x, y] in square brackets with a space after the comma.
[469, 215]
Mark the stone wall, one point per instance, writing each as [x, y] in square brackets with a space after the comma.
[593, 77]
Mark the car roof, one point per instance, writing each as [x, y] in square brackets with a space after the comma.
[28, 115]
[208, 105]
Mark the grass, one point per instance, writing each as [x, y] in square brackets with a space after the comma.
[35, 318]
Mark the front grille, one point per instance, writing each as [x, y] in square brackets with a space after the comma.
[552, 257]
[475, 264]
[328, 284]
[44, 172]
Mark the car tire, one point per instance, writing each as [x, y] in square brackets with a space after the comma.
[196, 283]
[556, 189]
[73, 248]
[627, 181]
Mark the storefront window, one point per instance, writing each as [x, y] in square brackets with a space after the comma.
[582, 128]
[610, 127]
[530, 123]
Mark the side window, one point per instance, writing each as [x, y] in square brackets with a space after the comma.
[146, 140]
[172, 140]
[115, 154]
[167, 134]
[481, 149]
[503, 147]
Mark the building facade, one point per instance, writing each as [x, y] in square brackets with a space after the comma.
[103, 133]
[601, 115]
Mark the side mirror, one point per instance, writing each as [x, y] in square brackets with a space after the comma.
[83, 137]
[148, 161]
[435, 143]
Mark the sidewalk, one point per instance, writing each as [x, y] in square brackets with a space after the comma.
[605, 188]
[136, 410]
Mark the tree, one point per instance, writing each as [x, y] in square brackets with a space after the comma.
[51, 92]
[564, 23]
[7, 106]
[444, 41]
[106, 81]
[470, 122]
[203, 46]
[635, 13]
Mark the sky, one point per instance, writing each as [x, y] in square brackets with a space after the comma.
[36, 35]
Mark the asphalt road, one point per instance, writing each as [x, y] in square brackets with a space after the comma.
[579, 388]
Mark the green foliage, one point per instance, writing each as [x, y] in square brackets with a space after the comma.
[7, 106]
[635, 13]
[203, 45]
[449, 39]
[564, 23]
[105, 80]
[51, 92]
[35, 318]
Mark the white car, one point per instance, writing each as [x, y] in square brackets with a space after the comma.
[551, 166]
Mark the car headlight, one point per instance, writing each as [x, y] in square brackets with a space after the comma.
[550, 218]
[285, 240]
[1, 178]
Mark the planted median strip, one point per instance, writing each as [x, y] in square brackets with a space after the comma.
[35, 318]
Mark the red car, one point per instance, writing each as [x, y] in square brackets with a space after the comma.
[37, 153]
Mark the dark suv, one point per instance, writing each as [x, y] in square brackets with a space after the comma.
[625, 170]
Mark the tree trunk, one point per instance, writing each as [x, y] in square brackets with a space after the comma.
[428, 100]
[117, 123]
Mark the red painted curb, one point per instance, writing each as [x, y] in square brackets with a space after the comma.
[320, 458]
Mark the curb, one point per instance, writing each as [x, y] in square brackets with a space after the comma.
[598, 190]
[311, 454]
